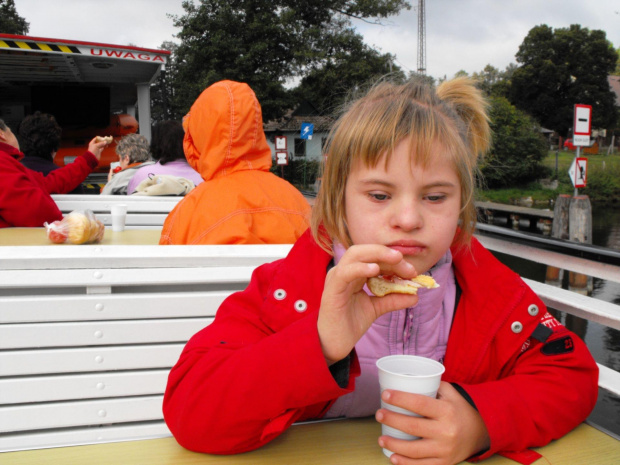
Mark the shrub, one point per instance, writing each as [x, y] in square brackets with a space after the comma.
[518, 148]
[300, 172]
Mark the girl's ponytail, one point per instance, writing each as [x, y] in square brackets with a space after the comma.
[471, 106]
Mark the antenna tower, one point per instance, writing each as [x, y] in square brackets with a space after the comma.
[421, 37]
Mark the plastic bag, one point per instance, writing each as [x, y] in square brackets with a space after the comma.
[164, 184]
[78, 227]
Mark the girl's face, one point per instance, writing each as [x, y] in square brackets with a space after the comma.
[406, 207]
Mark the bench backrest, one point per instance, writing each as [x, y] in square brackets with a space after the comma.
[88, 334]
[142, 211]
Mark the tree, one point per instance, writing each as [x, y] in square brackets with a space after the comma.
[351, 66]
[560, 68]
[494, 82]
[517, 150]
[10, 21]
[264, 43]
[163, 91]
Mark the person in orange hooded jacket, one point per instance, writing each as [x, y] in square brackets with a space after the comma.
[241, 201]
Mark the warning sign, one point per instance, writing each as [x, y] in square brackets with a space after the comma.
[281, 158]
[578, 172]
[582, 125]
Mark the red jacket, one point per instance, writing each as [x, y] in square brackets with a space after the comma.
[25, 199]
[258, 367]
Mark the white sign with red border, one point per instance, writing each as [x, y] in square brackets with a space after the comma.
[582, 125]
[281, 158]
[578, 172]
[280, 142]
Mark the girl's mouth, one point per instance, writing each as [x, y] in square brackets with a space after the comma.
[407, 247]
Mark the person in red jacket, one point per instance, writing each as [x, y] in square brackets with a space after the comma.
[301, 342]
[25, 198]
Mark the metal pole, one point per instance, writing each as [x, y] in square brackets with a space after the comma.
[576, 167]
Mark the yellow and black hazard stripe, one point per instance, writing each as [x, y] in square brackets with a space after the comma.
[38, 46]
[92, 188]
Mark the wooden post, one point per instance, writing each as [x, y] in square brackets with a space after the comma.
[559, 230]
[580, 230]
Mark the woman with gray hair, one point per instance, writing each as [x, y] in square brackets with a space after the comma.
[133, 153]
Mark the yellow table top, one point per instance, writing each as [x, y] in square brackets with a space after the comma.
[38, 236]
[342, 442]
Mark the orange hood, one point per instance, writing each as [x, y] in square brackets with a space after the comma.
[224, 131]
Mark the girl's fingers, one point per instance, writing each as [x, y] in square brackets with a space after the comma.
[393, 302]
[418, 452]
[390, 261]
[419, 403]
[350, 272]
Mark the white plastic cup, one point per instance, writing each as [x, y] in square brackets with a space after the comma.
[408, 373]
[119, 214]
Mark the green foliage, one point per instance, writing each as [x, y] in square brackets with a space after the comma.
[512, 195]
[299, 172]
[163, 91]
[563, 67]
[517, 150]
[603, 184]
[494, 82]
[10, 21]
[265, 44]
[350, 65]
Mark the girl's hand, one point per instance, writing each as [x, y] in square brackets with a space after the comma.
[346, 310]
[450, 429]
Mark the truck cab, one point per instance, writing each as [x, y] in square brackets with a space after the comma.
[91, 89]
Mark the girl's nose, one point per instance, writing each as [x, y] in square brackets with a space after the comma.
[406, 217]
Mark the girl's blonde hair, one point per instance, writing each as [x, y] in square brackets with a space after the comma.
[452, 117]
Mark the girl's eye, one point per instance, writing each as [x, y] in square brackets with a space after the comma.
[378, 197]
[436, 197]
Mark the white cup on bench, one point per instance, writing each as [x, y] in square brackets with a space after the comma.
[119, 214]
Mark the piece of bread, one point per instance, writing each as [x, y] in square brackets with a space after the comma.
[384, 285]
[106, 139]
[78, 226]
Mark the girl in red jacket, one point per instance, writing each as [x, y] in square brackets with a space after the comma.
[301, 341]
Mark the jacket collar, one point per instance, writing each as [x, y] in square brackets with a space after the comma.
[12, 151]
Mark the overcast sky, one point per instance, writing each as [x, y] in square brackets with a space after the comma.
[460, 34]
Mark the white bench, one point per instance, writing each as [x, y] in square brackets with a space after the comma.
[142, 211]
[89, 333]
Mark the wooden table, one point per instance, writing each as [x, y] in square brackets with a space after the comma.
[344, 442]
[38, 236]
